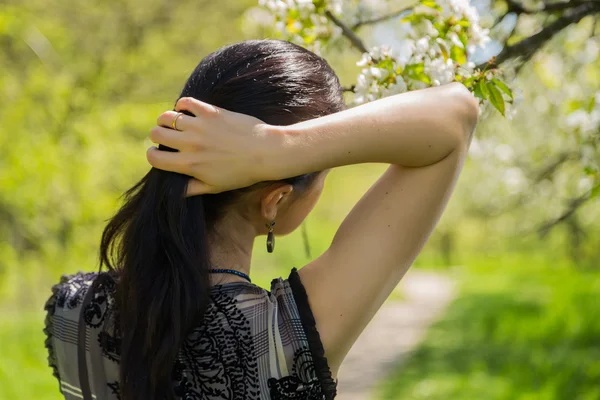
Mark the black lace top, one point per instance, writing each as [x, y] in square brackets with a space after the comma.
[253, 343]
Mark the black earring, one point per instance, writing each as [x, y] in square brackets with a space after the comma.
[270, 237]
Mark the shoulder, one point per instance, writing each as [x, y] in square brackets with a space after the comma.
[63, 306]
[70, 290]
[66, 295]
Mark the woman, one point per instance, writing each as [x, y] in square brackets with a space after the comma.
[258, 126]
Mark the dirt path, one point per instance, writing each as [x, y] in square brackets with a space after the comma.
[396, 329]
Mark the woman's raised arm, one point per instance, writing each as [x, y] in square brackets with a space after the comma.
[413, 129]
[424, 135]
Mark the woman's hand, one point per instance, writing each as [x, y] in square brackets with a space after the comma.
[222, 150]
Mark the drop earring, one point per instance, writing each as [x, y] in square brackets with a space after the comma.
[270, 237]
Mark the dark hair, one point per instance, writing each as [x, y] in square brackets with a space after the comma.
[157, 241]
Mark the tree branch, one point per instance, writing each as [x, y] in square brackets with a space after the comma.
[346, 31]
[574, 205]
[518, 9]
[381, 18]
[526, 48]
[551, 7]
[550, 168]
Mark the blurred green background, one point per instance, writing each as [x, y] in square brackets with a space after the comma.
[80, 88]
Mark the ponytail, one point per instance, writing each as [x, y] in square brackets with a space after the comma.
[157, 243]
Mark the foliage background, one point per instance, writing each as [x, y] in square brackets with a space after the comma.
[81, 86]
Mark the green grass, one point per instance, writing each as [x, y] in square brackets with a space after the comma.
[516, 331]
[24, 371]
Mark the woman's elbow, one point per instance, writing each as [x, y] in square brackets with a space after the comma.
[466, 111]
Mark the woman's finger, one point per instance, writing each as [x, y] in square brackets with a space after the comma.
[171, 161]
[196, 107]
[184, 122]
[171, 138]
[196, 187]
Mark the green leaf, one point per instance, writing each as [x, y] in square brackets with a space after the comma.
[442, 27]
[386, 64]
[495, 97]
[413, 18]
[444, 51]
[589, 171]
[309, 38]
[595, 192]
[591, 104]
[464, 39]
[431, 4]
[573, 105]
[485, 94]
[477, 91]
[417, 72]
[320, 4]
[464, 23]
[423, 78]
[502, 86]
[459, 55]
[469, 82]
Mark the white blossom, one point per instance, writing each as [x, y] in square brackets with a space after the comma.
[590, 157]
[429, 29]
[364, 60]
[300, 21]
[378, 73]
[590, 52]
[585, 184]
[440, 71]
[422, 45]
[395, 88]
[478, 36]
[514, 179]
[583, 121]
[510, 111]
[504, 153]
[416, 85]
[455, 40]
[424, 55]
[405, 50]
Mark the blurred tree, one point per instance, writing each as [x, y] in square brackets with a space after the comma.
[545, 163]
[81, 85]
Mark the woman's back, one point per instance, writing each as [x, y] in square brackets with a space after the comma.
[253, 343]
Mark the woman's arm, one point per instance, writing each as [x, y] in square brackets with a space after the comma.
[225, 150]
[425, 136]
[413, 129]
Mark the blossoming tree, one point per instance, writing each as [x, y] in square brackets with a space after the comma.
[434, 42]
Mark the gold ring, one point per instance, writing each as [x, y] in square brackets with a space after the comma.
[174, 123]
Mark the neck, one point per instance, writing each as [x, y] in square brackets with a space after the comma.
[230, 246]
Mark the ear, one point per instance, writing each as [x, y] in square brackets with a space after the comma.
[274, 198]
